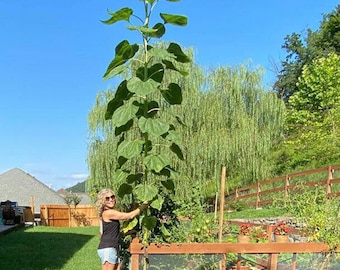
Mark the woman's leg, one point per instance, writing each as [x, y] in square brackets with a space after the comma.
[108, 266]
[109, 254]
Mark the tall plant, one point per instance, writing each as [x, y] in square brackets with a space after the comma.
[138, 104]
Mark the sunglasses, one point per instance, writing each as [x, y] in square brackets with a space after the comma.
[112, 197]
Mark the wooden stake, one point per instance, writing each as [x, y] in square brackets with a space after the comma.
[32, 206]
[216, 200]
[223, 178]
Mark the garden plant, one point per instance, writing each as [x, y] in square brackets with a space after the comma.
[319, 214]
[140, 103]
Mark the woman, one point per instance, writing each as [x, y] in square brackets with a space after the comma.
[110, 228]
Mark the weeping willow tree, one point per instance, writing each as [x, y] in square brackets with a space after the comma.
[233, 122]
[229, 119]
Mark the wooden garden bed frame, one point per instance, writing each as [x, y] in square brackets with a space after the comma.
[272, 249]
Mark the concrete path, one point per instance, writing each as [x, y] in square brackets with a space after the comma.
[4, 229]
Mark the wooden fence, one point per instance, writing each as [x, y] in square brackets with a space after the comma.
[262, 193]
[65, 216]
[273, 250]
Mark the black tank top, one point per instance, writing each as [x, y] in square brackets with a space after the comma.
[110, 235]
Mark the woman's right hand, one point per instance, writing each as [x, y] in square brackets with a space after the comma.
[143, 206]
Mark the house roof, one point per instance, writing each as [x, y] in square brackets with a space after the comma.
[19, 186]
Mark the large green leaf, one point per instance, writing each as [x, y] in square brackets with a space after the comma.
[179, 20]
[157, 203]
[119, 130]
[124, 189]
[149, 222]
[111, 70]
[160, 53]
[177, 51]
[147, 146]
[130, 149]
[128, 225]
[124, 51]
[135, 178]
[165, 233]
[169, 184]
[119, 176]
[160, 31]
[174, 136]
[153, 108]
[142, 29]
[123, 114]
[120, 15]
[115, 71]
[153, 126]
[112, 106]
[164, 172]
[169, 65]
[173, 94]
[155, 72]
[156, 163]
[135, 85]
[177, 150]
[122, 93]
[146, 192]
[121, 161]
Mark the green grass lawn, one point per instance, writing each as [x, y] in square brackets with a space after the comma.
[54, 248]
[256, 213]
[50, 248]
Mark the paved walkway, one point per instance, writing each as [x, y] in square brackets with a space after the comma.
[4, 229]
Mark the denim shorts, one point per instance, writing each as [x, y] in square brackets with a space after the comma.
[108, 255]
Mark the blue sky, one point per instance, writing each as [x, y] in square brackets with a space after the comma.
[53, 55]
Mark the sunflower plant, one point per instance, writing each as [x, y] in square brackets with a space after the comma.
[139, 103]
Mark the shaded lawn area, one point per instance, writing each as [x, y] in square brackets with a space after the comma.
[50, 248]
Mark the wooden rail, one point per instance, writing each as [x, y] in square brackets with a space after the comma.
[272, 249]
[283, 185]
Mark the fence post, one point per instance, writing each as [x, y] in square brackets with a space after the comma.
[257, 204]
[328, 183]
[134, 261]
[236, 193]
[294, 261]
[46, 216]
[269, 232]
[286, 185]
[273, 260]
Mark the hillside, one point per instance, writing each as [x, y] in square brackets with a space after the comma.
[80, 187]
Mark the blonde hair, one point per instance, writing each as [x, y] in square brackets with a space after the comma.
[100, 202]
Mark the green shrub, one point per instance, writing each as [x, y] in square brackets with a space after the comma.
[238, 205]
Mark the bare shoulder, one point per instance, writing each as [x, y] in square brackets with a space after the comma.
[110, 214]
[115, 214]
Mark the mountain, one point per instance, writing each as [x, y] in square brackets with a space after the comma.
[80, 187]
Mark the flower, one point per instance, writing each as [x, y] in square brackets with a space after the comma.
[280, 228]
[259, 235]
[245, 229]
